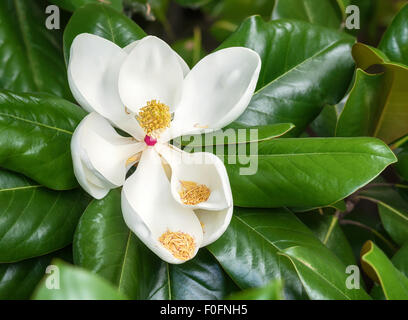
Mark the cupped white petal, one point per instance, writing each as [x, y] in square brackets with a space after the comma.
[151, 71]
[93, 73]
[217, 91]
[100, 155]
[184, 66]
[149, 209]
[214, 223]
[202, 168]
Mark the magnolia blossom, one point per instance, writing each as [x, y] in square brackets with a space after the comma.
[173, 203]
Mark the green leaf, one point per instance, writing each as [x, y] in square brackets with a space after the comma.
[18, 280]
[76, 284]
[72, 5]
[35, 220]
[35, 137]
[273, 291]
[325, 124]
[381, 270]
[31, 58]
[236, 136]
[400, 259]
[304, 67]
[395, 40]
[363, 108]
[325, 13]
[391, 114]
[328, 230]
[102, 21]
[393, 209]
[255, 248]
[104, 245]
[302, 173]
[402, 164]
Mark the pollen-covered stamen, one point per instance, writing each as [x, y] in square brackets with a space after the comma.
[154, 118]
[192, 193]
[180, 244]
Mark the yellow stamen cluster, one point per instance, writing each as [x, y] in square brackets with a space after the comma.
[180, 244]
[154, 118]
[193, 193]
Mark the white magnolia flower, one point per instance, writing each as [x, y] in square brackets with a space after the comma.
[147, 90]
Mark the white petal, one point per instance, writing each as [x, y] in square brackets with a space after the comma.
[202, 168]
[100, 154]
[184, 66]
[217, 90]
[93, 73]
[214, 223]
[151, 71]
[149, 209]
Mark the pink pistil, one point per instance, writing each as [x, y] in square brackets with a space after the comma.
[150, 141]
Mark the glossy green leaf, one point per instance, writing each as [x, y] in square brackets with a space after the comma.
[18, 280]
[30, 54]
[325, 13]
[400, 259]
[273, 291]
[237, 135]
[35, 137]
[306, 68]
[35, 220]
[381, 270]
[393, 209]
[391, 111]
[76, 284]
[104, 245]
[102, 21]
[305, 172]
[325, 124]
[395, 40]
[363, 108]
[72, 5]
[255, 250]
[328, 230]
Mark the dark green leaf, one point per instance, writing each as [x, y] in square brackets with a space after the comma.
[304, 67]
[35, 137]
[305, 172]
[18, 280]
[363, 107]
[104, 245]
[76, 284]
[30, 54]
[393, 210]
[255, 248]
[102, 21]
[35, 220]
[325, 13]
[395, 40]
[328, 230]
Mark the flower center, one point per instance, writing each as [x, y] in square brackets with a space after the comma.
[181, 245]
[154, 118]
[192, 193]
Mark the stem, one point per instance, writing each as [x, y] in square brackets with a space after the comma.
[375, 232]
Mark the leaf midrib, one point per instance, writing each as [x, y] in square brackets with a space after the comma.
[36, 123]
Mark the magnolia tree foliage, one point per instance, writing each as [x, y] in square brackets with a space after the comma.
[317, 161]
